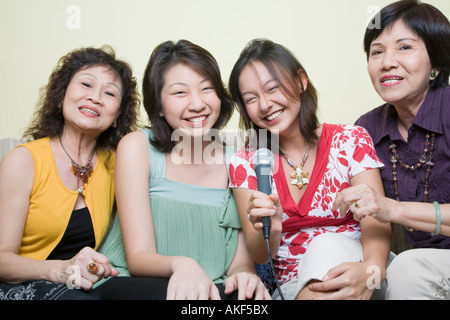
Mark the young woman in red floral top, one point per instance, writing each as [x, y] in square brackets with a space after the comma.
[312, 242]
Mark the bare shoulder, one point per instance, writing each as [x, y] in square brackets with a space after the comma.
[19, 161]
[133, 138]
[17, 173]
[133, 152]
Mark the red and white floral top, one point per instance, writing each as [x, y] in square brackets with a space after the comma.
[343, 152]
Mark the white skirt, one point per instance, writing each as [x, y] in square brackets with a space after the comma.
[325, 252]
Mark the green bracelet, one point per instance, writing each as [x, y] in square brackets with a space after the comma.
[438, 219]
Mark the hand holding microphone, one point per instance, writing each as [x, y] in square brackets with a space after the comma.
[263, 162]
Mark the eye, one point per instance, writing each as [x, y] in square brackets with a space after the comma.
[86, 84]
[405, 47]
[110, 94]
[273, 88]
[250, 100]
[208, 89]
[375, 53]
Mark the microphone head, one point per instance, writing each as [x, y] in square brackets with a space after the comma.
[264, 157]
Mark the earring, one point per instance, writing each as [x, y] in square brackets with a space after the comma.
[433, 75]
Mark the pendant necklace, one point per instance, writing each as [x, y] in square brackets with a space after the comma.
[298, 177]
[83, 173]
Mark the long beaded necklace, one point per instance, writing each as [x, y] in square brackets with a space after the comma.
[427, 154]
[83, 173]
[298, 177]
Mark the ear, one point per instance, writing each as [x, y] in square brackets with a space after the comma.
[434, 73]
[303, 79]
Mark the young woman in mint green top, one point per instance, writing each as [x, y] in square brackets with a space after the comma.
[177, 217]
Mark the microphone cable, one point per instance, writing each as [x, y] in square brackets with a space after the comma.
[272, 269]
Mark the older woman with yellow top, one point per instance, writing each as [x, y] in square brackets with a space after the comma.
[57, 191]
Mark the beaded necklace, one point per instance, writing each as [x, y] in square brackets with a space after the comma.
[427, 153]
[83, 173]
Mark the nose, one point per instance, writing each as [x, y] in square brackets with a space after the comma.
[390, 60]
[96, 96]
[265, 103]
[196, 103]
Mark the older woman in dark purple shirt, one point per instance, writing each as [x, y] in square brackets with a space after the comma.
[409, 64]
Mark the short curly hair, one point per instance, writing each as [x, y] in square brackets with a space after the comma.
[48, 119]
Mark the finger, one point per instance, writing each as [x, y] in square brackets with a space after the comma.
[214, 293]
[337, 201]
[170, 295]
[251, 289]
[325, 286]
[230, 285]
[262, 203]
[86, 284]
[275, 198]
[106, 267]
[336, 271]
[242, 288]
[258, 213]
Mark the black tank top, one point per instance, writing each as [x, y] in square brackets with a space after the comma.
[79, 234]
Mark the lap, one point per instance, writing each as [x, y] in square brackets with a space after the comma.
[43, 290]
[419, 274]
[137, 288]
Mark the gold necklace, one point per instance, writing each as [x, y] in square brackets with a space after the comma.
[298, 177]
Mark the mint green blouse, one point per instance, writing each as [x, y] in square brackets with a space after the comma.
[189, 220]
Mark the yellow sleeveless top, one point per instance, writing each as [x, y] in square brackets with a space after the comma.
[52, 203]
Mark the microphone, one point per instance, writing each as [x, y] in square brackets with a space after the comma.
[263, 162]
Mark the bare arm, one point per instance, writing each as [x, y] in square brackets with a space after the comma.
[132, 172]
[375, 235]
[350, 279]
[16, 182]
[416, 215]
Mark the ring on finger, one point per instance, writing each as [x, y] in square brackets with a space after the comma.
[249, 216]
[93, 267]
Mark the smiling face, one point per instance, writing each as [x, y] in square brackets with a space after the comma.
[189, 100]
[399, 66]
[92, 100]
[267, 104]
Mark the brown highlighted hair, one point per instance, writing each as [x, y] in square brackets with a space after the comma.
[285, 69]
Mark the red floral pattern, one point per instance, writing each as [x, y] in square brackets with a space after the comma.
[351, 152]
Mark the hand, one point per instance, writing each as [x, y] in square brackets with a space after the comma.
[80, 262]
[248, 285]
[362, 201]
[345, 281]
[190, 282]
[261, 205]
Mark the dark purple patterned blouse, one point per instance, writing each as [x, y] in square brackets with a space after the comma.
[433, 116]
